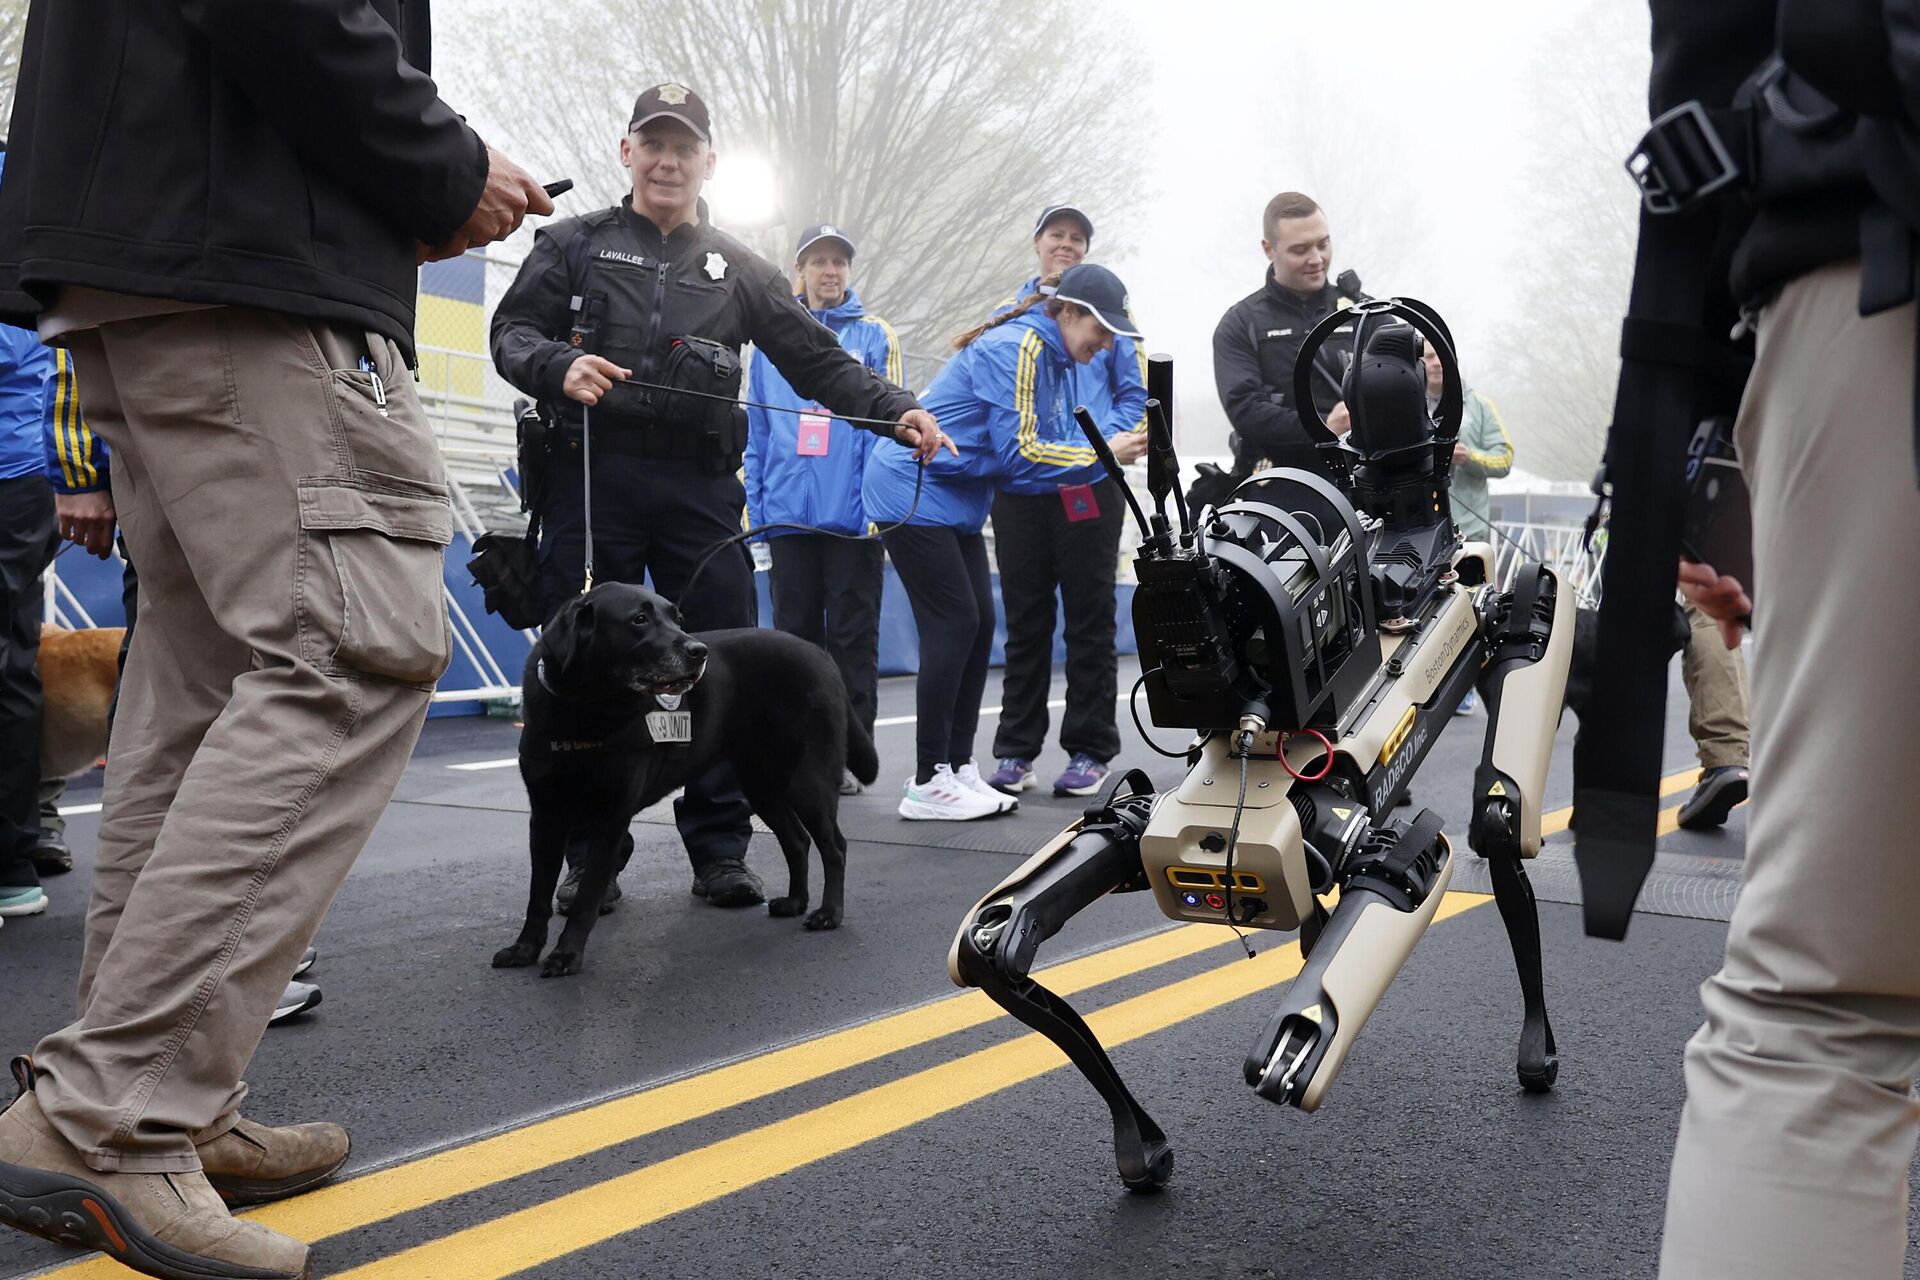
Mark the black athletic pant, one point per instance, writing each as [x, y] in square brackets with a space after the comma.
[951, 589]
[1041, 552]
[28, 537]
[826, 590]
[658, 517]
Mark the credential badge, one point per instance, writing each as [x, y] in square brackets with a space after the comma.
[716, 266]
[674, 95]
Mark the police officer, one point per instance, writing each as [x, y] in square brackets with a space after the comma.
[649, 292]
[1258, 342]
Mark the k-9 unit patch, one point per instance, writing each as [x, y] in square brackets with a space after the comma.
[670, 726]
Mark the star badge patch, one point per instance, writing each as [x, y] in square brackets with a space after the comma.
[716, 266]
[674, 95]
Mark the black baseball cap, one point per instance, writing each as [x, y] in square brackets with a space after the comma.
[1099, 291]
[1053, 211]
[821, 231]
[672, 101]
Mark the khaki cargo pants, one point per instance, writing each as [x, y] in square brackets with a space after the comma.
[1797, 1141]
[288, 535]
[1716, 681]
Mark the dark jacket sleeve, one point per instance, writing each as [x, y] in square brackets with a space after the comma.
[811, 358]
[534, 308]
[1263, 424]
[331, 76]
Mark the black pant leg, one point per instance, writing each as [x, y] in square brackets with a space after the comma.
[1088, 555]
[799, 581]
[28, 537]
[973, 675]
[620, 527]
[946, 613]
[1024, 545]
[855, 576]
[130, 606]
[688, 513]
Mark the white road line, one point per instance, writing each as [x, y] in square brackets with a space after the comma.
[885, 722]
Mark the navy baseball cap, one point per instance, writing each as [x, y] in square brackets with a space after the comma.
[821, 231]
[1053, 211]
[672, 101]
[1099, 291]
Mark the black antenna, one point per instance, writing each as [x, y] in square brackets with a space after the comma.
[1107, 460]
[1160, 433]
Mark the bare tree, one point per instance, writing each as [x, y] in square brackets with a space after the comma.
[1559, 357]
[13, 30]
[933, 132]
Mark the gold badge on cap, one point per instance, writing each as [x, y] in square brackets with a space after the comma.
[674, 95]
[716, 266]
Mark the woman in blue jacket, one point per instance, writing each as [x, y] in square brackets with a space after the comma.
[804, 467]
[1006, 400]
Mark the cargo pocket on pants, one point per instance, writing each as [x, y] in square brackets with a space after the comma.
[369, 594]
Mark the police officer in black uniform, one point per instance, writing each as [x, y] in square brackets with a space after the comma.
[649, 292]
[1258, 342]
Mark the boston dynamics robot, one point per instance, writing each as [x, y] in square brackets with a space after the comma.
[1316, 638]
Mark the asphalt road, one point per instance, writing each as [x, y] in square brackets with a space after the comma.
[721, 1094]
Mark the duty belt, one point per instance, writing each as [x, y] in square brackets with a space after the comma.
[632, 436]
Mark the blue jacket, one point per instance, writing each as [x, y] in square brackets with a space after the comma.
[76, 458]
[25, 366]
[1113, 385]
[1007, 402]
[822, 490]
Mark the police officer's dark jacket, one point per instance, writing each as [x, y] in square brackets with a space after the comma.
[642, 290]
[1254, 351]
[276, 155]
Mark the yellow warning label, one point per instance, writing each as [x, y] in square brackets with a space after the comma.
[1497, 789]
[1342, 814]
[1311, 1013]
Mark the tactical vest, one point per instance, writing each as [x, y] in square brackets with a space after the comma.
[645, 314]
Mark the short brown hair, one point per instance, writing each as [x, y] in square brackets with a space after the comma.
[1288, 204]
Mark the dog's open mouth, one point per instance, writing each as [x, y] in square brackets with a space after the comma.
[672, 686]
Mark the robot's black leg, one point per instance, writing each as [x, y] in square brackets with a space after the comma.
[1528, 637]
[999, 938]
[1513, 894]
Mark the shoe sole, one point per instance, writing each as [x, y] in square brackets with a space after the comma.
[913, 812]
[1027, 783]
[1715, 806]
[294, 1011]
[1094, 790]
[53, 866]
[76, 1213]
[739, 898]
[32, 909]
[304, 965]
[241, 1193]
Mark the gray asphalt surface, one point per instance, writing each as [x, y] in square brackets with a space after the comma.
[1427, 1160]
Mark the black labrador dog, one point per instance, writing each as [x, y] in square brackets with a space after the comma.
[622, 707]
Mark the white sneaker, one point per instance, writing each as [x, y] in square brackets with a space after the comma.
[944, 798]
[969, 775]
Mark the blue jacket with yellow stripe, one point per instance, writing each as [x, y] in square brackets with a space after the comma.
[820, 489]
[24, 366]
[1007, 402]
[76, 459]
[1113, 385]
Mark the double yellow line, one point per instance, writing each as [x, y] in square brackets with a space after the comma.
[530, 1237]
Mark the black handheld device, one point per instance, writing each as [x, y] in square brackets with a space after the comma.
[557, 188]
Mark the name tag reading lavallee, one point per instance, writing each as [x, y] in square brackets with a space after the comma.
[670, 726]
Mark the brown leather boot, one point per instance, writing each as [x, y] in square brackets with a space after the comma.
[252, 1164]
[170, 1225]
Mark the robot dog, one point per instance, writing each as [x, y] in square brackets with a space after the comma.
[1316, 638]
